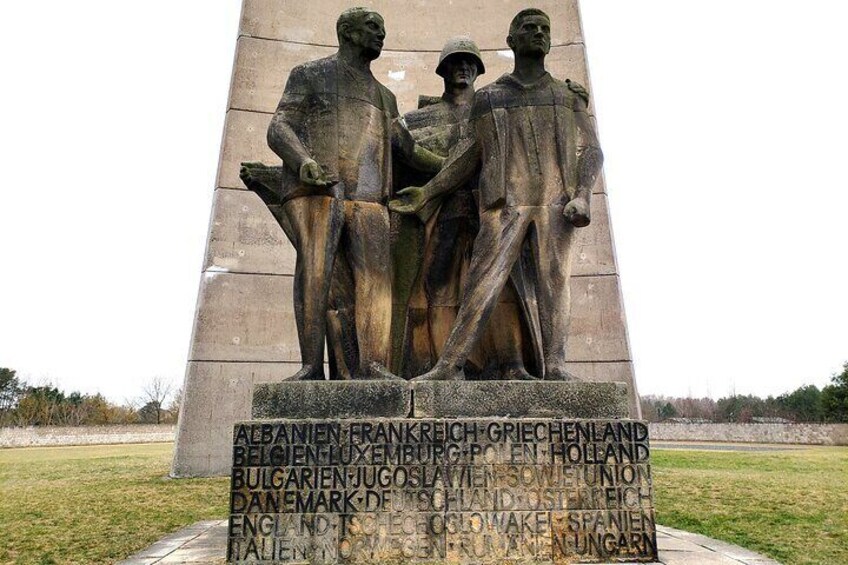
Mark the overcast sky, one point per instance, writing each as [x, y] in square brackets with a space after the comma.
[723, 123]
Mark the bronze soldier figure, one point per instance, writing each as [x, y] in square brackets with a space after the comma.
[335, 128]
[538, 156]
[438, 125]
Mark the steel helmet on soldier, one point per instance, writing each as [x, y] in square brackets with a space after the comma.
[460, 45]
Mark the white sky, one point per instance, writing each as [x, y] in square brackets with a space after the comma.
[723, 123]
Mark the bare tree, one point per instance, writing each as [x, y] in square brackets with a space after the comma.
[154, 395]
[176, 401]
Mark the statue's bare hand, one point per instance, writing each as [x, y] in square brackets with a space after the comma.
[577, 213]
[408, 201]
[312, 173]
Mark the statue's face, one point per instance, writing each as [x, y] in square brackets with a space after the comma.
[532, 38]
[460, 70]
[368, 35]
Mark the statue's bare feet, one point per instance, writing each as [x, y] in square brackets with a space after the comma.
[308, 373]
[560, 375]
[517, 374]
[376, 371]
[442, 373]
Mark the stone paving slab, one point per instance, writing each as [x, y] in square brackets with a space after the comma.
[200, 543]
[205, 543]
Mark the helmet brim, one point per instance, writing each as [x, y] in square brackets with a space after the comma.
[481, 68]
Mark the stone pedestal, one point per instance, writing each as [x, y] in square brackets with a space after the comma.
[532, 488]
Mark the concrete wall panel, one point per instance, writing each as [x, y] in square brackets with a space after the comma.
[245, 237]
[251, 318]
[593, 253]
[598, 330]
[221, 394]
[244, 141]
[610, 371]
[245, 318]
[412, 25]
[263, 66]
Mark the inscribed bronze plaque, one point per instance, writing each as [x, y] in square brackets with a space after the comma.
[468, 490]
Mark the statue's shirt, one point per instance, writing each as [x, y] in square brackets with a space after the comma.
[362, 137]
[342, 118]
[533, 173]
[526, 139]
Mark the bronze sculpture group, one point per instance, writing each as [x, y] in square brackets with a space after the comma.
[500, 180]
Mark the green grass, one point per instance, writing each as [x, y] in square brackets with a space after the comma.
[95, 504]
[100, 504]
[790, 505]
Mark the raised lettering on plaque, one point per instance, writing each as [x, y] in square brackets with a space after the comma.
[474, 490]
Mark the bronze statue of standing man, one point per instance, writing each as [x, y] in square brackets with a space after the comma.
[451, 224]
[335, 128]
[539, 158]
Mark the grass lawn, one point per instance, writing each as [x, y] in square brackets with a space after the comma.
[790, 505]
[95, 504]
[100, 504]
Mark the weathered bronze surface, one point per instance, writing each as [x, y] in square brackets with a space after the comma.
[335, 129]
[531, 141]
[498, 223]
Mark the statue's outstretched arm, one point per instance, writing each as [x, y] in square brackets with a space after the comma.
[459, 167]
[415, 155]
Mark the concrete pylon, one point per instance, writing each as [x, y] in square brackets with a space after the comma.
[244, 330]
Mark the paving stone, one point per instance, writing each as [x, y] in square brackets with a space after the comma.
[668, 543]
[702, 557]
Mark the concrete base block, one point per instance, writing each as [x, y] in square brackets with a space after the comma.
[448, 399]
[215, 397]
[332, 399]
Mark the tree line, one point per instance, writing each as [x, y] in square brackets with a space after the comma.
[805, 404]
[23, 404]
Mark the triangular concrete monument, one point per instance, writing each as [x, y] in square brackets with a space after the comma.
[244, 331]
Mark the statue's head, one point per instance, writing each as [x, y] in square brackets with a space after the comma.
[530, 33]
[362, 29]
[460, 63]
